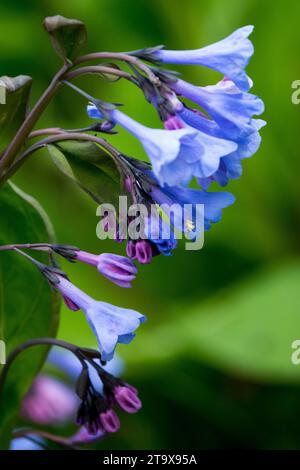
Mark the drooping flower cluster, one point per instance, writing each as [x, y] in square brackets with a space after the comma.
[205, 134]
[50, 401]
[206, 140]
[205, 208]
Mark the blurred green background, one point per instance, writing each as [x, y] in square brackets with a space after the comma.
[213, 363]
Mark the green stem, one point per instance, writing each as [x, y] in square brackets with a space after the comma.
[46, 131]
[25, 129]
[123, 57]
[100, 70]
[31, 343]
[29, 246]
[59, 137]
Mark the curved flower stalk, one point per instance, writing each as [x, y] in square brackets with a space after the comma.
[230, 56]
[118, 269]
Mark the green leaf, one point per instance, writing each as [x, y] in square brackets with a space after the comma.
[28, 307]
[109, 76]
[15, 92]
[249, 332]
[90, 167]
[68, 36]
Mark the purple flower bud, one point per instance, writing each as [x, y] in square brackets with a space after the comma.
[110, 421]
[127, 398]
[131, 250]
[117, 269]
[143, 251]
[173, 123]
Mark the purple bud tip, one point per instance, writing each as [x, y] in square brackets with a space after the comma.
[70, 304]
[117, 269]
[144, 252]
[110, 421]
[172, 123]
[130, 249]
[127, 398]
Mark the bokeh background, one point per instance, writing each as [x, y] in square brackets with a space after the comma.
[213, 363]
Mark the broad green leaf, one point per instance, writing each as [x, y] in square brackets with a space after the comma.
[68, 36]
[90, 167]
[248, 332]
[15, 93]
[28, 307]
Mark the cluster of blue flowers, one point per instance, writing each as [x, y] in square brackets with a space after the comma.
[207, 133]
[208, 142]
[206, 139]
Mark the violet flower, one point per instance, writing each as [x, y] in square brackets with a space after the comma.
[229, 56]
[210, 150]
[110, 324]
[179, 155]
[230, 108]
[116, 268]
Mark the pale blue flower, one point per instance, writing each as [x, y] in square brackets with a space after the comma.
[231, 109]
[229, 56]
[110, 324]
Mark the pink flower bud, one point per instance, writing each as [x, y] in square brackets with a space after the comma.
[127, 398]
[110, 421]
[143, 251]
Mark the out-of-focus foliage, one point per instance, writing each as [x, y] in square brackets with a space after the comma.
[23, 317]
[220, 321]
[13, 112]
[90, 167]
